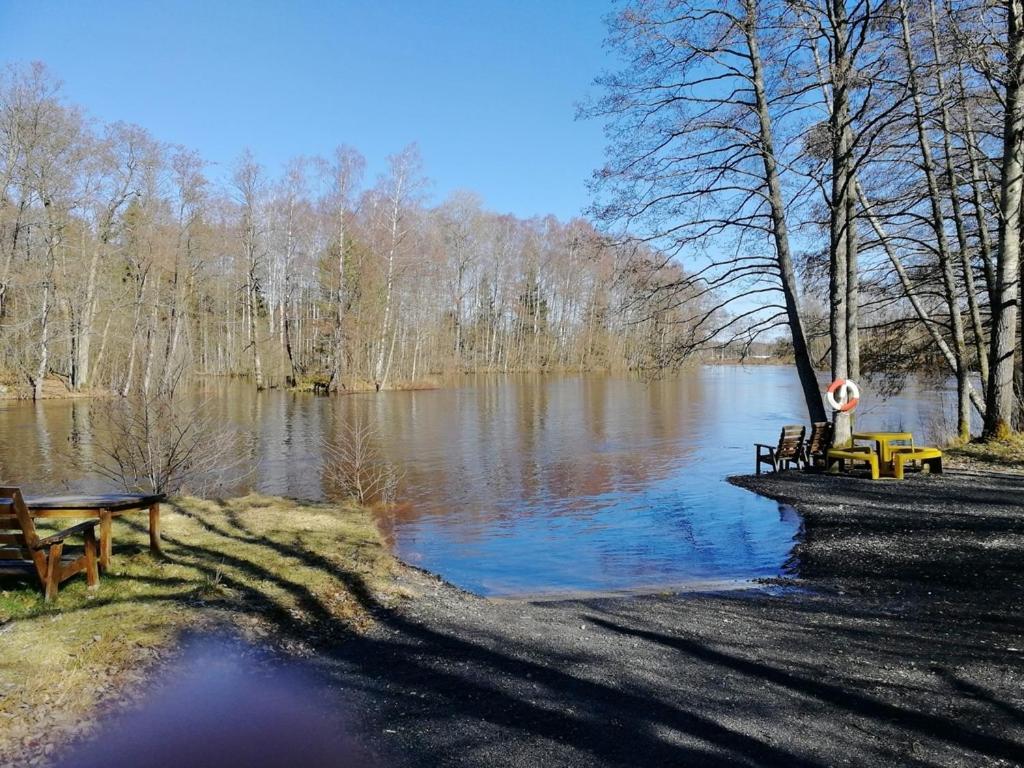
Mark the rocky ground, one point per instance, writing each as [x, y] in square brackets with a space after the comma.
[898, 640]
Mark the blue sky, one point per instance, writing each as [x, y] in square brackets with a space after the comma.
[487, 88]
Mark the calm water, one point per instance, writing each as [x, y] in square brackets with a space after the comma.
[534, 484]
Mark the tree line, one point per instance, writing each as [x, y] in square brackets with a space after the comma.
[125, 267]
[845, 171]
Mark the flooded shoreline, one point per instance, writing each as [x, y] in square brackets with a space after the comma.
[520, 485]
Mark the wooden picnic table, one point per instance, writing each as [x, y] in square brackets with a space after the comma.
[105, 507]
[884, 445]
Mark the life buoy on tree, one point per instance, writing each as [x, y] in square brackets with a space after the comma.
[849, 395]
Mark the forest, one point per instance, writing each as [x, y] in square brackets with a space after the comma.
[841, 178]
[848, 173]
[125, 268]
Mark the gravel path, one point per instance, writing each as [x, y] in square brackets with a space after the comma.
[900, 641]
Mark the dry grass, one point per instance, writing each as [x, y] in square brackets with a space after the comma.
[1007, 453]
[281, 572]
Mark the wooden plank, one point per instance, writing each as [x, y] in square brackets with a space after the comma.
[92, 571]
[71, 568]
[61, 535]
[66, 514]
[8, 553]
[110, 501]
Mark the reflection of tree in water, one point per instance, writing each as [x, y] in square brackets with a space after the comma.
[617, 474]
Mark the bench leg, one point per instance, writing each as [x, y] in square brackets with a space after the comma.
[154, 529]
[92, 571]
[106, 548]
[873, 463]
[53, 571]
[897, 463]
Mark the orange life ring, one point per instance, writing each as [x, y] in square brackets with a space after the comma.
[849, 394]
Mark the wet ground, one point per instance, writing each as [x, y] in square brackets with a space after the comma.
[902, 643]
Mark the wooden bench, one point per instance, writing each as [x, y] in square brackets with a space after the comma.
[840, 456]
[790, 450]
[817, 445]
[21, 546]
[103, 507]
[929, 457]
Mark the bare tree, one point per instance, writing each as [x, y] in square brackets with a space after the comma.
[694, 167]
[355, 469]
[1006, 298]
[164, 442]
[248, 186]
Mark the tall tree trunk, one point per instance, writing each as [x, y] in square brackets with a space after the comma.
[966, 268]
[87, 316]
[852, 285]
[257, 363]
[977, 197]
[396, 211]
[339, 308]
[1000, 403]
[43, 364]
[938, 224]
[839, 288]
[783, 254]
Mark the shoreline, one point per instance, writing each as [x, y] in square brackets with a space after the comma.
[875, 653]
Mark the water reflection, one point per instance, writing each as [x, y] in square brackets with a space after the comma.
[526, 484]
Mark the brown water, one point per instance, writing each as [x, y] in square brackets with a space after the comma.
[527, 484]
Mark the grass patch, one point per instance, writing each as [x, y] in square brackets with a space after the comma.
[281, 572]
[1008, 452]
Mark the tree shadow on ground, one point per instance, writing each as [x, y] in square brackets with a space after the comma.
[704, 680]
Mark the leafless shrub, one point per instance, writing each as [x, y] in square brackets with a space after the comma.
[164, 442]
[355, 468]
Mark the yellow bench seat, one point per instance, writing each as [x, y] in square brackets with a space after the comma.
[929, 457]
[842, 455]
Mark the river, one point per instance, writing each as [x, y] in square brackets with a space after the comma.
[527, 485]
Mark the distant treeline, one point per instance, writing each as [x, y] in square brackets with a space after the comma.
[123, 267]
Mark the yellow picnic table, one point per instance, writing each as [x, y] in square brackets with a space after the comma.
[884, 446]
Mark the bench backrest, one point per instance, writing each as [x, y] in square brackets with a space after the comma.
[791, 441]
[821, 438]
[18, 536]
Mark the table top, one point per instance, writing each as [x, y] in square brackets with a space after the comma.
[877, 436]
[112, 501]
